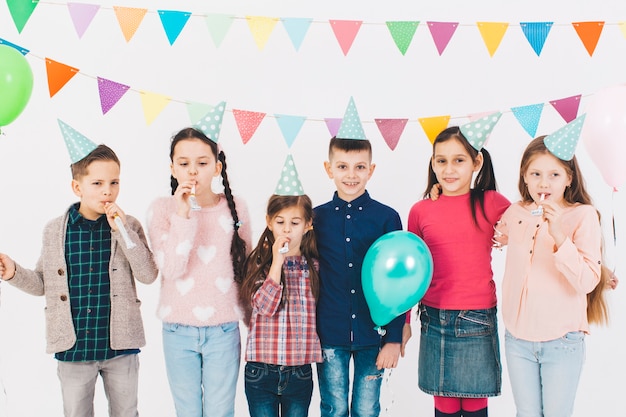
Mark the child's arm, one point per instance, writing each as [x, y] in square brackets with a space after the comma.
[7, 267]
[388, 356]
[266, 299]
[28, 281]
[139, 257]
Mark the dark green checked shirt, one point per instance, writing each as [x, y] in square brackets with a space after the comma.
[87, 254]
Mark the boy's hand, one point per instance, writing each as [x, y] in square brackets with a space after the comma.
[7, 267]
[406, 335]
[112, 210]
[388, 356]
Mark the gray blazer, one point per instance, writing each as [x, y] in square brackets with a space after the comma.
[50, 279]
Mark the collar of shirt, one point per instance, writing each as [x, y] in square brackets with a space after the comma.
[360, 201]
[74, 216]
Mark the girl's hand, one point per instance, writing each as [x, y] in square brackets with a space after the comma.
[278, 258]
[112, 210]
[552, 213]
[612, 281]
[182, 193]
[7, 267]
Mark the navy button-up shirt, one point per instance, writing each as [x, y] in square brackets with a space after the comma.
[344, 232]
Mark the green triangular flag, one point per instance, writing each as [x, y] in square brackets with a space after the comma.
[402, 33]
[21, 11]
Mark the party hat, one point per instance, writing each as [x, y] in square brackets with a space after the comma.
[77, 145]
[562, 143]
[478, 131]
[289, 182]
[351, 124]
[211, 123]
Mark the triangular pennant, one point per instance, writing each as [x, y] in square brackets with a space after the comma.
[475, 116]
[333, 125]
[261, 28]
[297, 28]
[247, 123]
[477, 132]
[345, 31]
[567, 107]
[218, 25]
[110, 93]
[211, 122]
[197, 110]
[58, 75]
[442, 33]
[432, 126]
[129, 19]
[622, 26]
[289, 126]
[391, 129]
[351, 127]
[173, 23]
[22, 50]
[528, 117]
[402, 33]
[289, 182]
[589, 33]
[562, 143]
[536, 33]
[21, 10]
[152, 105]
[492, 33]
[78, 146]
[82, 14]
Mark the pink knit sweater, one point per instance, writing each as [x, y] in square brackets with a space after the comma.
[193, 256]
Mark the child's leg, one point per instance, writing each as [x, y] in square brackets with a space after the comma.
[78, 382]
[261, 385]
[296, 386]
[524, 374]
[474, 407]
[366, 383]
[120, 380]
[447, 406]
[334, 380]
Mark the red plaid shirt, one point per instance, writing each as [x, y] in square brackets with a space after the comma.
[285, 334]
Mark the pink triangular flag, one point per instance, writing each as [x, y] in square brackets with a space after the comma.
[333, 125]
[345, 32]
[82, 14]
[475, 116]
[442, 33]
[567, 107]
[391, 129]
[247, 123]
[110, 93]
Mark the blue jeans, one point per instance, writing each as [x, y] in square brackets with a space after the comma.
[544, 375]
[275, 390]
[202, 366]
[334, 381]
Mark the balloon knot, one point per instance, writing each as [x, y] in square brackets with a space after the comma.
[380, 330]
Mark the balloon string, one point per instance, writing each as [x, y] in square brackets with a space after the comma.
[389, 405]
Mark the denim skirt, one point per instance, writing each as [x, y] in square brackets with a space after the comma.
[459, 354]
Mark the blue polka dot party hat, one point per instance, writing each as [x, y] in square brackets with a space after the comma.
[289, 182]
[211, 123]
[351, 127]
[478, 131]
[562, 143]
[77, 144]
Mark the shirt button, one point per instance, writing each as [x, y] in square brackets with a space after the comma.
[91, 248]
[360, 208]
[352, 291]
[88, 310]
[348, 216]
[336, 208]
[347, 239]
[90, 269]
[354, 316]
[531, 251]
[519, 222]
[63, 297]
[60, 272]
[349, 205]
[350, 265]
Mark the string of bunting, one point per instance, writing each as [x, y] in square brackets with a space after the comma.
[247, 121]
[345, 31]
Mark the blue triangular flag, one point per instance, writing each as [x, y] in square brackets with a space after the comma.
[536, 33]
[296, 28]
[290, 126]
[173, 22]
[23, 51]
[528, 117]
[218, 25]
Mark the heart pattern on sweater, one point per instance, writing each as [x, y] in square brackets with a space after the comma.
[185, 285]
[206, 253]
[183, 248]
[223, 284]
[203, 313]
[226, 222]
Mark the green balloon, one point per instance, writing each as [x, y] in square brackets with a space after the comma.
[16, 84]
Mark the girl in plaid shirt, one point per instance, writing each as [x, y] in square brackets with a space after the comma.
[281, 285]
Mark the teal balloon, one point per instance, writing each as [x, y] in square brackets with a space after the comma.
[396, 272]
[16, 83]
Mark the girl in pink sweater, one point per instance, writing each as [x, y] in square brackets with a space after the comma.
[199, 239]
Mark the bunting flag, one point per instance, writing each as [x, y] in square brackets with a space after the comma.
[528, 117]
[21, 10]
[536, 33]
[589, 33]
[402, 33]
[442, 33]
[129, 19]
[391, 130]
[218, 25]
[110, 93]
[247, 123]
[82, 14]
[196, 111]
[333, 125]
[622, 26]
[297, 29]
[567, 107]
[58, 75]
[23, 51]
[345, 31]
[289, 126]
[432, 126]
[261, 28]
[476, 116]
[152, 104]
[492, 33]
[173, 23]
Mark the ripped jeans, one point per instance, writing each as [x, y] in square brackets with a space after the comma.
[334, 380]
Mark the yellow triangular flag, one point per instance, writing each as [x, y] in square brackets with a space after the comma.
[261, 28]
[129, 19]
[153, 104]
[434, 125]
[492, 33]
[622, 26]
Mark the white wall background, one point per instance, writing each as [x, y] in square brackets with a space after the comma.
[317, 82]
